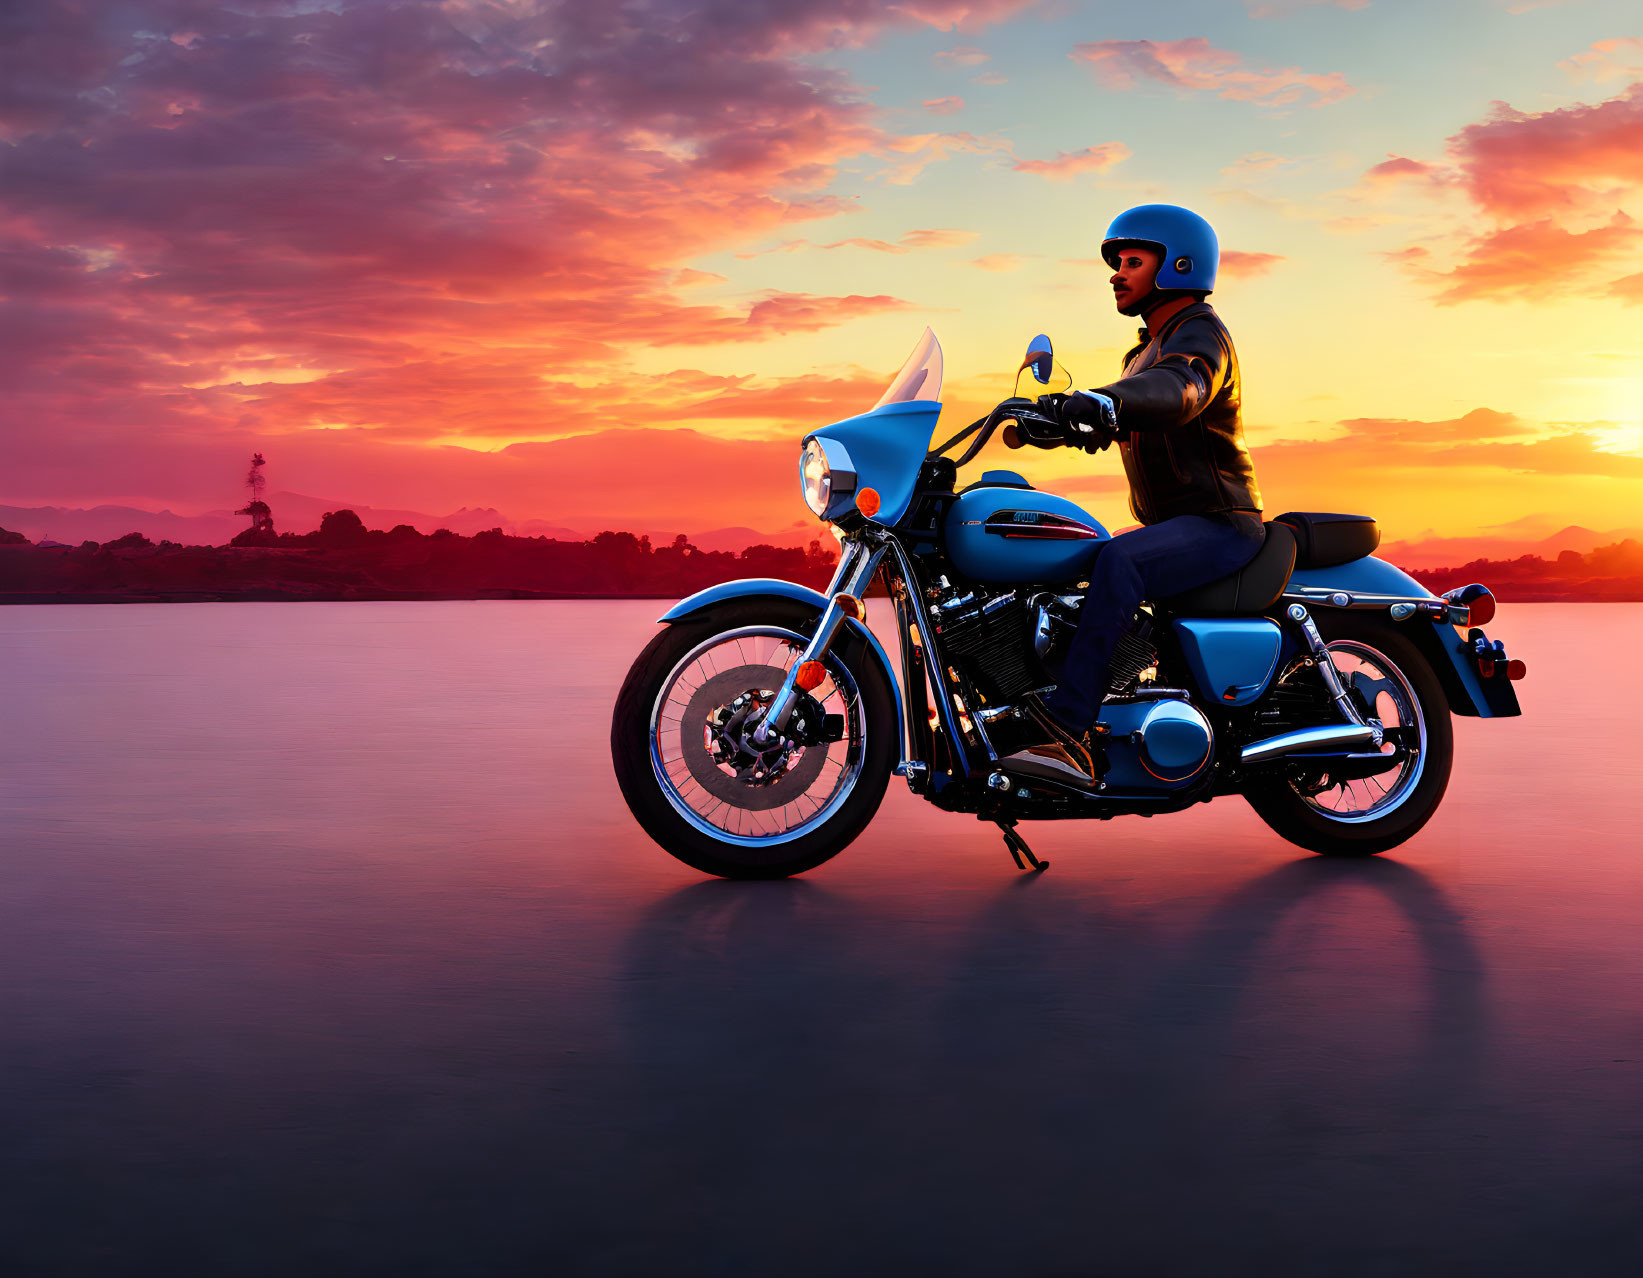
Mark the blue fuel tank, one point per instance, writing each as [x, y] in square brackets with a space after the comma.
[1008, 533]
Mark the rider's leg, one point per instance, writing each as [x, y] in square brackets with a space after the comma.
[1161, 559]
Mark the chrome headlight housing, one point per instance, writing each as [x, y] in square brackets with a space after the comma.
[825, 471]
[816, 478]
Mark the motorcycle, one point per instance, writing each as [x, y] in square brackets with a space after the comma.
[755, 735]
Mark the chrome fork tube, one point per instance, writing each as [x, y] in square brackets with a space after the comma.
[937, 667]
[857, 564]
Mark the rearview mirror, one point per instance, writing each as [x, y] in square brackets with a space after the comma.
[1040, 358]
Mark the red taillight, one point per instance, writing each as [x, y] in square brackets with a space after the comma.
[1481, 611]
[1516, 669]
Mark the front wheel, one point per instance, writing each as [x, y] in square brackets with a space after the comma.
[1363, 815]
[705, 790]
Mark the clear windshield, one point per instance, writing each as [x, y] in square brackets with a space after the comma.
[920, 376]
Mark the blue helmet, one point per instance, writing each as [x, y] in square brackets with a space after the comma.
[1184, 240]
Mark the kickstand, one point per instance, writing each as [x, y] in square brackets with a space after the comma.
[1018, 848]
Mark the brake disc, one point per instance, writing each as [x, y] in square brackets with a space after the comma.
[695, 727]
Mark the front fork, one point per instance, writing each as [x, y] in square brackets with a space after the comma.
[857, 564]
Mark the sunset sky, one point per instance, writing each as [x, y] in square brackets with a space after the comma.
[603, 264]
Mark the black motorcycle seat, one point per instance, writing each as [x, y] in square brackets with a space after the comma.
[1325, 540]
[1253, 588]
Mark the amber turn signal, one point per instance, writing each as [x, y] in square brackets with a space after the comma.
[810, 676]
[867, 501]
[851, 606]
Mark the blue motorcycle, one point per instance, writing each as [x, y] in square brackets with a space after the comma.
[756, 733]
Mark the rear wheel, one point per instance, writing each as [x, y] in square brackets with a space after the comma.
[702, 786]
[1360, 815]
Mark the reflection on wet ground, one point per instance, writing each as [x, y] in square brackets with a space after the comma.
[328, 944]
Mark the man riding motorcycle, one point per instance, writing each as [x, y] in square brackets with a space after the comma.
[1175, 414]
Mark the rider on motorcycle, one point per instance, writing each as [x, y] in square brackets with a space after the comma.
[1175, 414]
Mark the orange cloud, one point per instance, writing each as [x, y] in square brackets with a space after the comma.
[1242, 266]
[1069, 164]
[1532, 260]
[1195, 64]
[1620, 59]
[1520, 164]
[1628, 289]
[938, 237]
[999, 262]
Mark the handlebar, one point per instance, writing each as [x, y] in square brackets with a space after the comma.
[1013, 409]
[1027, 422]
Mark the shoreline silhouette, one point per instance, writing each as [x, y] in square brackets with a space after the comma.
[343, 560]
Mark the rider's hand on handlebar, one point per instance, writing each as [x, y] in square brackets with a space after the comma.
[1089, 418]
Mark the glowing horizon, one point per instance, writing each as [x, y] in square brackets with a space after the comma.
[607, 265]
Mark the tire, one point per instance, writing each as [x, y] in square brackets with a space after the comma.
[1279, 802]
[637, 739]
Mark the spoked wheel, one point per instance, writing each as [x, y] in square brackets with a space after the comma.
[1369, 805]
[701, 783]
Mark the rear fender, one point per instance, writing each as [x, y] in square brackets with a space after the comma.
[752, 589]
[1445, 647]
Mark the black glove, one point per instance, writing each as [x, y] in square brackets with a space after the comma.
[1089, 419]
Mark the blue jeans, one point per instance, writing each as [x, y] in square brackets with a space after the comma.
[1149, 563]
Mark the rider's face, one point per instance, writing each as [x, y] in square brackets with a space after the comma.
[1132, 278]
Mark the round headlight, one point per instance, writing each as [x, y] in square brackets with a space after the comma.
[816, 478]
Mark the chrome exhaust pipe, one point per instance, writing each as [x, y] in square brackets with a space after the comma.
[1309, 739]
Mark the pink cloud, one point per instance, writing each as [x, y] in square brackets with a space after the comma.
[939, 237]
[1069, 164]
[1196, 65]
[1242, 266]
[397, 220]
[1518, 164]
[1397, 168]
[943, 106]
[1620, 59]
[965, 55]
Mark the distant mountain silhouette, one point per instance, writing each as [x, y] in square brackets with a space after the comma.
[301, 513]
[344, 559]
[1500, 544]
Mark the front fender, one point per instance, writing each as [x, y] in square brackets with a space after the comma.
[1445, 648]
[752, 588]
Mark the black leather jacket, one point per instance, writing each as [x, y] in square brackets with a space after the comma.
[1181, 433]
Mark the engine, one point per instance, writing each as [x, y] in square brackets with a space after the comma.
[1010, 642]
[989, 635]
[1007, 643]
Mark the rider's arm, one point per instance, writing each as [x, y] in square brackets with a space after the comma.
[1190, 372]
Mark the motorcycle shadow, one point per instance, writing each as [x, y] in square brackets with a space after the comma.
[1049, 1058]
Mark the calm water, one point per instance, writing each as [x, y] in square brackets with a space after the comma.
[328, 942]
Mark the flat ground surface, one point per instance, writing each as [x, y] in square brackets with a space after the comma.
[329, 946]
